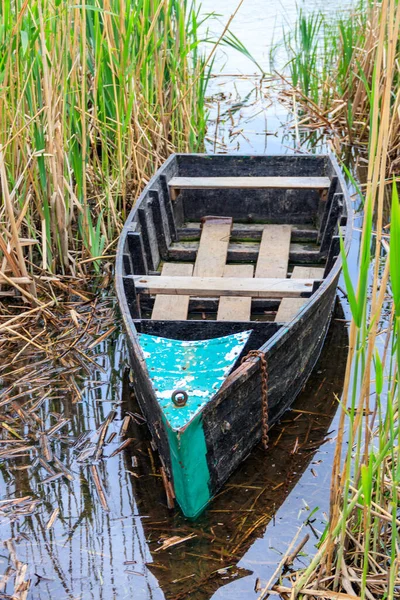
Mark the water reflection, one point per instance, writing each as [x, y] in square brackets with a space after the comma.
[92, 551]
[245, 114]
[106, 537]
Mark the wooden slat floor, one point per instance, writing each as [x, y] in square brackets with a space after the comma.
[166, 308]
[271, 251]
[289, 307]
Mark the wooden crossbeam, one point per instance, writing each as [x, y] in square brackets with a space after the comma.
[203, 183]
[223, 286]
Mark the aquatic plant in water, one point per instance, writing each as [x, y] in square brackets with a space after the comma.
[93, 97]
[358, 555]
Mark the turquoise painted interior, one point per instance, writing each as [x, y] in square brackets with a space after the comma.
[199, 368]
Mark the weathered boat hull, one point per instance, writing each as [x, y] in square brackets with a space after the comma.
[253, 493]
[229, 425]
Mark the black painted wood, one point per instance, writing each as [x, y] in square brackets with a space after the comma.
[231, 165]
[152, 231]
[137, 253]
[332, 221]
[248, 233]
[131, 297]
[252, 206]
[333, 254]
[168, 207]
[144, 228]
[159, 224]
[325, 205]
[291, 349]
[128, 269]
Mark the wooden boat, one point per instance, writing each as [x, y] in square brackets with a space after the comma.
[225, 258]
[254, 493]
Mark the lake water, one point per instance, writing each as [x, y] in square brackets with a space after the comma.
[113, 552]
[260, 122]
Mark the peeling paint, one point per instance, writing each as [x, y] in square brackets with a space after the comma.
[205, 365]
[198, 367]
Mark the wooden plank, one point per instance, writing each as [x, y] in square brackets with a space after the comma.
[289, 307]
[166, 307]
[223, 286]
[213, 247]
[202, 183]
[235, 308]
[273, 255]
[308, 273]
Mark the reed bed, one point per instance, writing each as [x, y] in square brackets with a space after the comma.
[94, 96]
[331, 75]
[359, 553]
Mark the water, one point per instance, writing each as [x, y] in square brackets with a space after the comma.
[114, 551]
[250, 120]
[95, 553]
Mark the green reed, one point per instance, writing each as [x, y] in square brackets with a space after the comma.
[331, 65]
[303, 46]
[93, 97]
[359, 550]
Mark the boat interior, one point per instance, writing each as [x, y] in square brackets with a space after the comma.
[208, 233]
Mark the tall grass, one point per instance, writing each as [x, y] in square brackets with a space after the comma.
[93, 97]
[341, 66]
[303, 45]
[359, 552]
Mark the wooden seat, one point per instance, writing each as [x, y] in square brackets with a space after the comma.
[289, 307]
[203, 183]
[223, 286]
[233, 284]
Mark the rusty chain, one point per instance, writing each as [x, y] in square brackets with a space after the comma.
[264, 392]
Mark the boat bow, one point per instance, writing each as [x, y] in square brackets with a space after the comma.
[185, 376]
